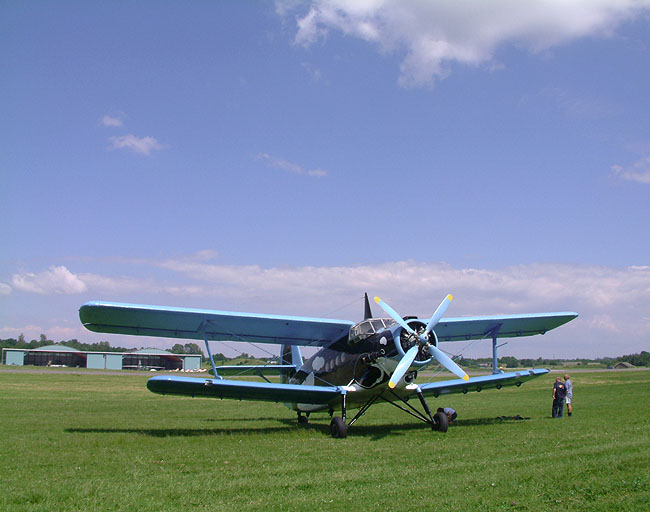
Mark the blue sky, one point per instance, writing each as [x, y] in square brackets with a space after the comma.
[287, 157]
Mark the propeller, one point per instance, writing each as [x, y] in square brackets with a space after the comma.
[423, 339]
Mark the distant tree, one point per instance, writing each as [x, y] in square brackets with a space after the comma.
[642, 359]
[35, 344]
[178, 349]
[509, 362]
[192, 348]
[101, 346]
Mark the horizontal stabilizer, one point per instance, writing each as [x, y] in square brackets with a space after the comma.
[243, 390]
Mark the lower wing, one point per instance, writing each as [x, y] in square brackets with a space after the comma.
[244, 390]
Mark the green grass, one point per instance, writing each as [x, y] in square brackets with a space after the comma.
[103, 442]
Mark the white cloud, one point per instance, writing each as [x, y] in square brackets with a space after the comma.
[314, 72]
[5, 289]
[57, 332]
[613, 303]
[291, 167]
[33, 332]
[111, 121]
[117, 285]
[142, 145]
[432, 35]
[55, 280]
[639, 171]
[205, 255]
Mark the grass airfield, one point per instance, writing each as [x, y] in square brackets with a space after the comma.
[88, 441]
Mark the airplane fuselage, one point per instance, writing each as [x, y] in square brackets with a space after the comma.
[364, 363]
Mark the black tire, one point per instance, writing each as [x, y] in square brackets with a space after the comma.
[441, 421]
[303, 420]
[338, 428]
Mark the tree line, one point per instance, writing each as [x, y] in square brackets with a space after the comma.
[642, 359]
[100, 346]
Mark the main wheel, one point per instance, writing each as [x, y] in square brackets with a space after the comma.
[338, 428]
[303, 420]
[441, 421]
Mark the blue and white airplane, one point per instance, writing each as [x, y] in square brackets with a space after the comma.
[356, 365]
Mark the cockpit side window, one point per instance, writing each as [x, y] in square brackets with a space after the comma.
[367, 328]
[377, 325]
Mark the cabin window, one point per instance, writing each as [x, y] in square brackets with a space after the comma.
[367, 328]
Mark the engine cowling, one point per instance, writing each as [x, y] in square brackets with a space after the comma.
[408, 340]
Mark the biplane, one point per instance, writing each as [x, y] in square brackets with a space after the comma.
[356, 364]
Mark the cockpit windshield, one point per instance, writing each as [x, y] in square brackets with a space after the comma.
[367, 328]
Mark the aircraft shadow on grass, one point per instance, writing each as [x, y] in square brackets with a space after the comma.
[374, 432]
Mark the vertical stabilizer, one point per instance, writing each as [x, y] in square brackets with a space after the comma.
[290, 354]
[367, 311]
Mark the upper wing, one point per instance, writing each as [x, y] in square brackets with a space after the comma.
[507, 326]
[199, 324]
[479, 383]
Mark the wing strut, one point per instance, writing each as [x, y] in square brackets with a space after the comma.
[494, 332]
[201, 330]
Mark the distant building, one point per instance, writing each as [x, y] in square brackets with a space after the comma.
[60, 355]
[621, 365]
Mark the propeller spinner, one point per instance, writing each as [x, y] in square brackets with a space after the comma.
[423, 339]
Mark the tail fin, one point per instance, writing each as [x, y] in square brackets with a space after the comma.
[290, 354]
[367, 312]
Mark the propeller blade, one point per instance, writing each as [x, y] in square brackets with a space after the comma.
[394, 315]
[435, 352]
[403, 366]
[442, 309]
[446, 361]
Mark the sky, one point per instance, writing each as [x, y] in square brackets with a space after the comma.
[287, 157]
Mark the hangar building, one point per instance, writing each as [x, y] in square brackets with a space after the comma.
[60, 355]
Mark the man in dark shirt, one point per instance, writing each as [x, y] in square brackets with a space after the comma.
[559, 392]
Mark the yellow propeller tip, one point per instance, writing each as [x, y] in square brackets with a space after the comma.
[391, 384]
[377, 300]
[466, 377]
[450, 297]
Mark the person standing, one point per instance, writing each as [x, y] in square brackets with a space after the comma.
[559, 392]
[569, 393]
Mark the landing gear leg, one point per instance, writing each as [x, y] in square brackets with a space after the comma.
[425, 406]
[338, 428]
